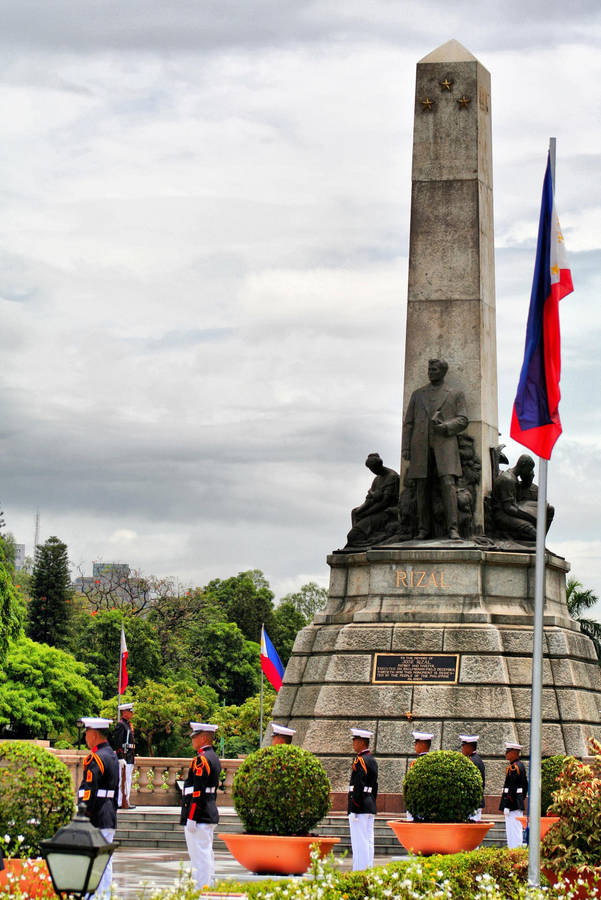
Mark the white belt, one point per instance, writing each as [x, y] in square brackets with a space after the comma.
[188, 790]
[100, 793]
[210, 790]
[505, 790]
[367, 790]
[519, 790]
[350, 788]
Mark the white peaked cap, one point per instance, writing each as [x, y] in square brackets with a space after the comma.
[469, 738]
[127, 706]
[98, 724]
[281, 729]
[362, 733]
[202, 726]
[421, 735]
[511, 745]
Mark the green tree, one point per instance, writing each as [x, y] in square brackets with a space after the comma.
[246, 600]
[162, 715]
[43, 690]
[221, 657]
[579, 599]
[239, 725]
[288, 621]
[96, 641]
[49, 610]
[173, 616]
[11, 611]
[308, 600]
[12, 606]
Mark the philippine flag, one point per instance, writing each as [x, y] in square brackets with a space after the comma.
[123, 679]
[270, 661]
[535, 419]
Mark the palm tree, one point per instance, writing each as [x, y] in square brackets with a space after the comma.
[579, 598]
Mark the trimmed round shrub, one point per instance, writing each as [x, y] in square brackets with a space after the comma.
[281, 790]
[442, 786]
[550, 770]
[36, 795]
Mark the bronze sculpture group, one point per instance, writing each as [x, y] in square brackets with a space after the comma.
[437, 497]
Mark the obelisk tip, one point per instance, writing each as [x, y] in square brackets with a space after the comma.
[451, 52]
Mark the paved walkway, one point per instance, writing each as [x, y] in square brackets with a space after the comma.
[137, 871]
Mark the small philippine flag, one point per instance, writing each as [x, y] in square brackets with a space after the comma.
[270, 661]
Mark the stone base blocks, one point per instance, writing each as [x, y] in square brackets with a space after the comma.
[472, 603]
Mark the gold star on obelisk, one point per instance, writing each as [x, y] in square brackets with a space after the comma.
[463, 101]
[555, 270]
[427, 104]
[446, 85]
[560, 237]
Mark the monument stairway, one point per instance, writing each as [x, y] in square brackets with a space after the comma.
[153, 827]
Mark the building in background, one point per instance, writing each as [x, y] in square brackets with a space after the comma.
[19, 556]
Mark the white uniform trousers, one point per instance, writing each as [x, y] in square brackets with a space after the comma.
[103, 891]
[362, 839]
[513, 828]
[200, 849]
[126, 770]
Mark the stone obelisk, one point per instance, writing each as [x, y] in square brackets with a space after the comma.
[421, 633]
[451, 297]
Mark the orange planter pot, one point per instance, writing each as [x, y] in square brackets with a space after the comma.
[545, 823]
[26, 875]
[571, 876]
[440, 837]
[274, 854]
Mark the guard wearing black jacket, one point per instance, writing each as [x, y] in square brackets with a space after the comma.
[199, 803]
[98, 788]
[513, 798]
[124, 746]
[469, 748]
[362, 794]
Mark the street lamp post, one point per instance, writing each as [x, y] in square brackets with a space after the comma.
[77, 856]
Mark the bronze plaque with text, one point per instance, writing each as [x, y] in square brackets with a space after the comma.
[416, 668]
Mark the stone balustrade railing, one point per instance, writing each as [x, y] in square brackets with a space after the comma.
[154, 778]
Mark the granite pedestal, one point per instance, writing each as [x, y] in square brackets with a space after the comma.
[471, 605]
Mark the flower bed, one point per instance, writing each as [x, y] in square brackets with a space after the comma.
[488, 874]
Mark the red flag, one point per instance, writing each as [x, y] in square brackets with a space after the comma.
[123, 677]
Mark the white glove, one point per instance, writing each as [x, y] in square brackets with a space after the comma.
[191, 825]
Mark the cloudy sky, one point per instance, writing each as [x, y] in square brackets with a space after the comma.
[203, 265]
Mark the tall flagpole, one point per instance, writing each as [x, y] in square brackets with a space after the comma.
[537, 651]
[261, 701]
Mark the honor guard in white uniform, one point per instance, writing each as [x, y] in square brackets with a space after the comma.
[513, 798]
[469, 748]
[125, 746]
[422, 741]
[281, 734]
[199, 803]
[98, 789]
[362, 794]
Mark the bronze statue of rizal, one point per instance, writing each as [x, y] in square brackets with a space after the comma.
[435, 416]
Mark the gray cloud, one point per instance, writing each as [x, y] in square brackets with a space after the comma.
[203, 267]
[215, 26]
